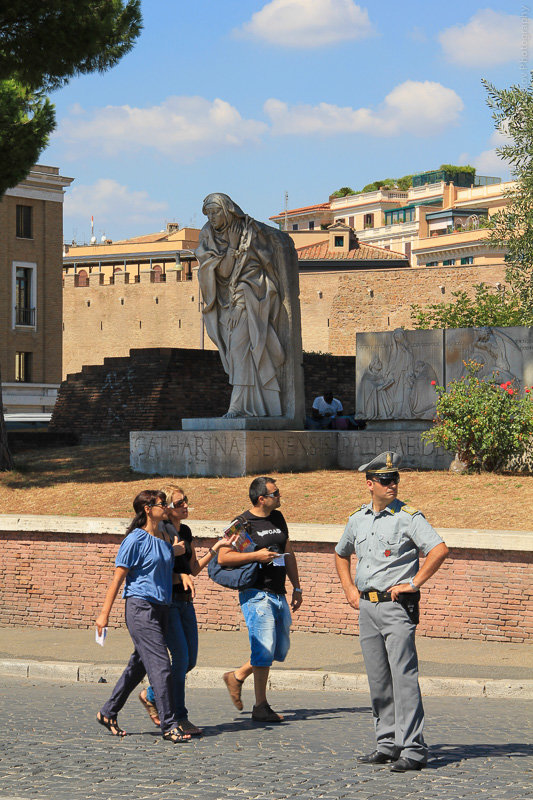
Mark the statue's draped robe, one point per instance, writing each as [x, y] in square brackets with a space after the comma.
[250, 349]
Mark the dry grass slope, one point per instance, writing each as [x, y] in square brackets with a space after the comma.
[97, 481]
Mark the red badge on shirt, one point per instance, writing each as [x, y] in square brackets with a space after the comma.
[387, 552]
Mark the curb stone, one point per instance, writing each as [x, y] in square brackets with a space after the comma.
[280, 679]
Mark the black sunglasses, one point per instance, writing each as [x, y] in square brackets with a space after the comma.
[180, 503]
[275, 493]
[386, 480]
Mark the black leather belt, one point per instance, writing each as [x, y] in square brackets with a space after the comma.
[376, 597]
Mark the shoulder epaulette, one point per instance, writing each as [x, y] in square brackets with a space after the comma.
[357, 509]
[409, 509]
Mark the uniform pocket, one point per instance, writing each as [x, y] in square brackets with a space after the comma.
[360, 544]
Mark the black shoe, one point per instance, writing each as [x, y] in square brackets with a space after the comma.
[377, 757]
[407, 764]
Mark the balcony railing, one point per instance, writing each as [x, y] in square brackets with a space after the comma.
[24, 315]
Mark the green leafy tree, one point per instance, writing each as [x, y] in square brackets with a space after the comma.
[512, 227]
[44, 45]
[486, 423]
[487, 307]
[344, 191]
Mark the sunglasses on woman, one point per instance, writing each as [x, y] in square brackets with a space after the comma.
[179, 503]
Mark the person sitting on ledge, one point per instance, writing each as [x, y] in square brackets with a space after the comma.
[325, 411]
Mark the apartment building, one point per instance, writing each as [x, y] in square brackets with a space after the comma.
[31, 242]
[399, 220]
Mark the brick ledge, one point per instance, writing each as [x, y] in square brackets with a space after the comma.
[464, 539]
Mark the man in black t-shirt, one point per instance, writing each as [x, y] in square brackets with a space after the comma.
[265, 608]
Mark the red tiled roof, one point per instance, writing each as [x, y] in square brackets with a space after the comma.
[363, 252]
[290, 211]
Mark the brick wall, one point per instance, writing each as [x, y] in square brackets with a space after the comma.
[108, 320]
[60, 579]
[153, 389]
[353, 308]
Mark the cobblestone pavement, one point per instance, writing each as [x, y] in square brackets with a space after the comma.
[51, 748]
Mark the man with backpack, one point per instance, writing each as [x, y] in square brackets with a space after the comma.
[264, 606]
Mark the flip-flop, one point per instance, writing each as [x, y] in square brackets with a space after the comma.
[150, 708]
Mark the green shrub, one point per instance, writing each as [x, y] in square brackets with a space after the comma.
[486, 423]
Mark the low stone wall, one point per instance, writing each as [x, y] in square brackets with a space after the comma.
[56, 572]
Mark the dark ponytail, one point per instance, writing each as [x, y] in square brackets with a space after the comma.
[148, 497]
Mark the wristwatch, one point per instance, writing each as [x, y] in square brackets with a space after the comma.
[296, 589]
[413, 585]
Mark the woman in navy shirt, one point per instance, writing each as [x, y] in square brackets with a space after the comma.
[145, 560]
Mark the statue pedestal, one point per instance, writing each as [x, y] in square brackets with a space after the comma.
[231, 453]
[239, 424]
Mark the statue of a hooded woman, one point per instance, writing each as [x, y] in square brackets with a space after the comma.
[248, 272]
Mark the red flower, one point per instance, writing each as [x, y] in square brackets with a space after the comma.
[510, 391]
[503, 385]
[433, 383]
[528, 390]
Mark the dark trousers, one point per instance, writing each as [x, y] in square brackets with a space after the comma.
[147, 625]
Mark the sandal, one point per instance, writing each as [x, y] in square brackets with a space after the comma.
[174, 735]
[186, 726]
[150, 708]
[111, 725]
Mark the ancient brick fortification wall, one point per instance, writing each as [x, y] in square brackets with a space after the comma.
[60, 579]
[153, 389]
[107, 320]
[380, 300]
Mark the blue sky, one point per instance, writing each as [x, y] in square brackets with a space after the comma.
[257, 98]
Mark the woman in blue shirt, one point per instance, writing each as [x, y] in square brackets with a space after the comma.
[145, 560]
[182, 631]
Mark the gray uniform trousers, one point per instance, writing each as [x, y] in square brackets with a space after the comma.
[147, 624]
[387, 638]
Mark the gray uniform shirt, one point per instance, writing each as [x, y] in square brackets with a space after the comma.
[386, 544]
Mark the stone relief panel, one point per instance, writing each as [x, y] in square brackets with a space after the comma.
[506, 354]
[394, 373]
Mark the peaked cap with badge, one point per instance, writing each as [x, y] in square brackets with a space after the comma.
[384, 463]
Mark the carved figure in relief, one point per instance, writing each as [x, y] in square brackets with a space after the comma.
[495, 350]
[373, 388]
[239, 276]
[399, 370]
[421, 399]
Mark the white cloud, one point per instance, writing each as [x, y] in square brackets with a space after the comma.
[421, 108]
[308, 23]
[180, 128]
[112, 204]
[490, 37]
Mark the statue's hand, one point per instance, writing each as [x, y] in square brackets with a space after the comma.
[235, 317]
[234, 233]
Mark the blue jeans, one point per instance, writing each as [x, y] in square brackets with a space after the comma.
[268, 619]
[182, 642]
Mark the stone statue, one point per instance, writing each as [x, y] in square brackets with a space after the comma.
[248, 272]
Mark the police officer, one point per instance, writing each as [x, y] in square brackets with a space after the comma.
[387, 536]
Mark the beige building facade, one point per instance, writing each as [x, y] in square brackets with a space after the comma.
[31, 242]
[400, 220]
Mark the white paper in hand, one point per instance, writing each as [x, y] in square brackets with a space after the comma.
[100, 639]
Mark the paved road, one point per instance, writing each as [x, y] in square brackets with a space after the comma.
[51, 749]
